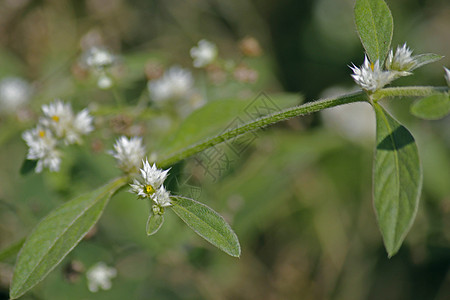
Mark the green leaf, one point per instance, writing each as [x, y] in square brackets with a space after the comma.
[433, 107]
[57, 234]
[426, 58]
[375, 27]
[208, 224]
[27, 166]
[154, 223]
[397, 180]
[11, 250]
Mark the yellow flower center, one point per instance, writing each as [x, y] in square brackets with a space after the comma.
[149, 189]
[55, 118]
[371, 66]
[41, 133]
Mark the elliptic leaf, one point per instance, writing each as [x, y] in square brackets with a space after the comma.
[397, 180]
[57, 234]
[375, 27]
[154, 223]
[426, 58]
[433, 107]
[208, 224]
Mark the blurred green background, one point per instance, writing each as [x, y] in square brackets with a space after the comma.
[299, 197]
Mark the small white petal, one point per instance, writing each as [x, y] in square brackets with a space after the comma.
[99, 276]
[162, 197]
[129, 153]
[175, 83]
[370, 76]
[447, 76]
[14, 92]
[401, 61]
[204, 53]
[42, 147]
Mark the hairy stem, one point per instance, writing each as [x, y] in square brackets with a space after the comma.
[285, 114]
[296, 111]
[408, 91]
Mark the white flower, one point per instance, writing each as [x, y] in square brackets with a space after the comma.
[370, 76]
[99, 276]
[204, 53]
[104, 82]
[152, 184]
[447, 76]
[129, 153]
[402, 61]
[175, 83]
[59, 117]
[98, 58]
[14, 92]
[42, 147]
[162, 197]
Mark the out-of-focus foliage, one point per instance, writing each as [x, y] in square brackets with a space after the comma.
[299, 197]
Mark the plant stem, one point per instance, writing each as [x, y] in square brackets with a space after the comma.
[308, 108]
[285, 114]
[408, 91]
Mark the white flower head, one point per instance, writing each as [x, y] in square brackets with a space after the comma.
[14, 92]
[175, 83]
[59, 117]
[151, 184]
[129, 153]
[447, 76]
[401, 61]
[162, 197]
[370, 76]
[42, 147]
[204, 54]
[98, 58]
[99, 276]
[104, 82]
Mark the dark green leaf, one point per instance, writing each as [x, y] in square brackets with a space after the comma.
[27, 166]
[208, 224]
[375, 26]
[397, 180]
[432, 107]
[57, 234]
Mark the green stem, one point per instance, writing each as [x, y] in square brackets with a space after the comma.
[296, 111]
[408, 91]
[285, 114]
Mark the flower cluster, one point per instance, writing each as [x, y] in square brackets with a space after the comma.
[204, 54]
[372, 77]
[175, 83]
[59, 124]
[14, 93]
[151, 186]
[128, 153]
[99, 60]
[99, 276]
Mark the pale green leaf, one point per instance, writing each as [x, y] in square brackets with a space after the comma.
[433, 107]
[397, 180]
[208, 224]
[57, 234]
[154, 223]
[375, 27]
[426, 58]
